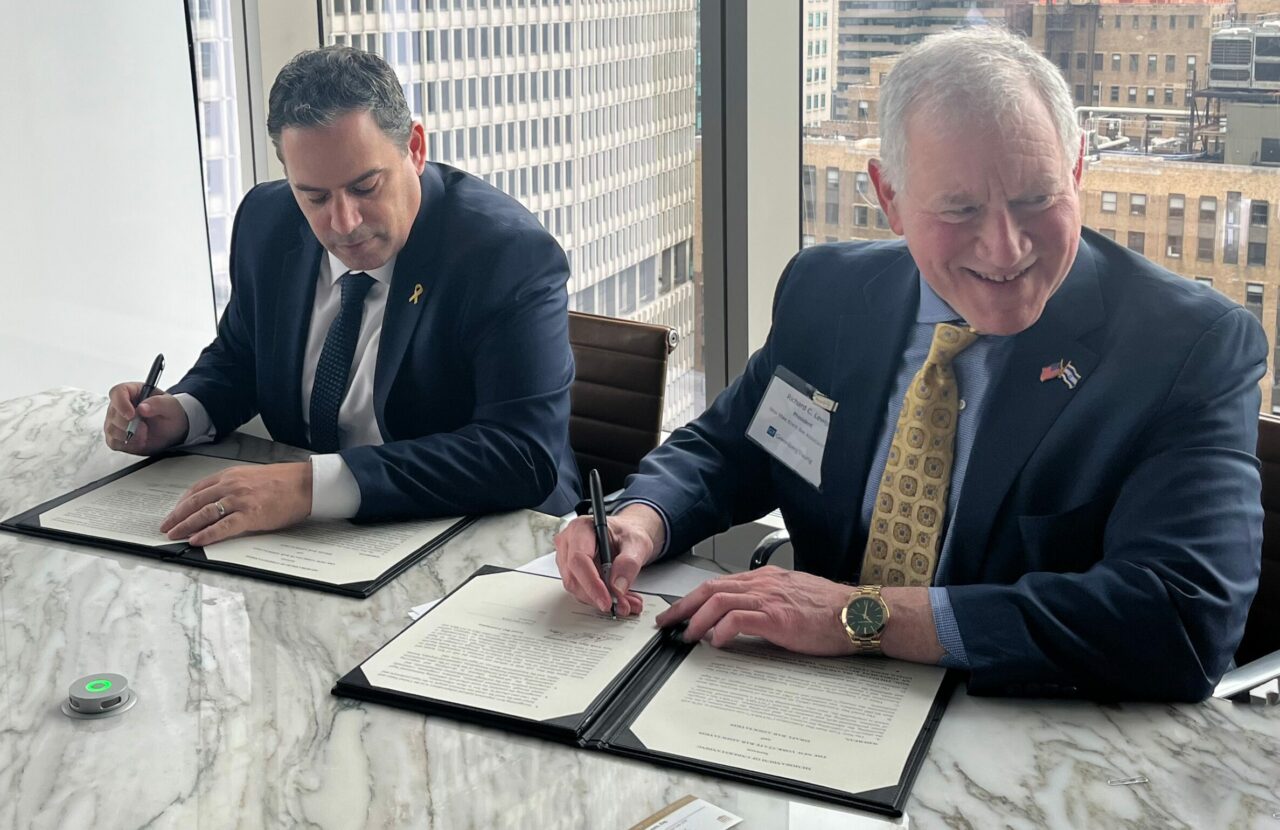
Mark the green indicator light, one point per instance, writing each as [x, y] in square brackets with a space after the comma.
[100, 685]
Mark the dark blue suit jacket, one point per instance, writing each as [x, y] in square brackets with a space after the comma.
[471, 388]
[1107, 539]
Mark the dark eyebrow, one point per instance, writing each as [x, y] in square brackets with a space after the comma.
[362, 177]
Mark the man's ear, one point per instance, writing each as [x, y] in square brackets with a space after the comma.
[885, 195]
[1079, 171]
[418, 147]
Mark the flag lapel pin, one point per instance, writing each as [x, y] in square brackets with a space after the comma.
[1062, 370]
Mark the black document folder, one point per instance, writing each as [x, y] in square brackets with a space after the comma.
[29, 522]
[606, 722]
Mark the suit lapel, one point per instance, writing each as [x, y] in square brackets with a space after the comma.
[866, 358]
[1021, 409]
[410, 292]
[296, 299]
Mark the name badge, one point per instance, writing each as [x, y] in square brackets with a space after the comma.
[791, 424]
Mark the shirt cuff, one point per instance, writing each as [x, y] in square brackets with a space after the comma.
[944, 622]
[335, 494]
[199, 425]
[666, 525]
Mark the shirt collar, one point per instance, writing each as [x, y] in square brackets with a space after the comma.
[382, 275]
[933, 309]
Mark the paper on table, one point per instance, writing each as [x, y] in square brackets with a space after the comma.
[336, 552]
[844, 723]
[131, 508]
[512, 644]
[690, 813]
[673, 579]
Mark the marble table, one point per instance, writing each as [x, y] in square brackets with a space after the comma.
[235, 726]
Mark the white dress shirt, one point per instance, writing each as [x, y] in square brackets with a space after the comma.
[334, 491]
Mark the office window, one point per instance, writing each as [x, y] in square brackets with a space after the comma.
[1109, 233]
[882, 221]
[1152, 64]
[1137, 242]
[1205, 281]
[1133, 95]
[1208, 208]
[1256, 253]
[1151, 95]
[1115, 94]
[1170, 63]
[1081, 59]
[860, 216]
[1174, 248]
[1204, 249]
[1258, 213]
[1168, 96]
[1231, 230]
[1133, 62]
[808, 184]
[1108, 202]
[1115, 61]
[1253, 294]
[1137, 204]
[1097, 61]
[1177, 205]
[833, 196]
[1079, 93]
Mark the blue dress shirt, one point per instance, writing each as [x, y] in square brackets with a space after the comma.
[976, 368]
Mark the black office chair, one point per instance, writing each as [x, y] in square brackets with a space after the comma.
[1258, 656]
[615, 415]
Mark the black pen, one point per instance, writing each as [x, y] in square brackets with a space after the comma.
[602, 537]
[153, 377]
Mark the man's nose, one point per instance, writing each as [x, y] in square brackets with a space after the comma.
[1001, 240]
[344, 214]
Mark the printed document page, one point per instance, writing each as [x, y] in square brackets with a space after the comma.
[844, 723]
[337, 552]
[131, 508]
[513, 643]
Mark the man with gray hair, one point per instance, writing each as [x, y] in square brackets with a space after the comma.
[1004, 444]
[401, 318]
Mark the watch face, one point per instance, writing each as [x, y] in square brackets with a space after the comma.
[864, 616]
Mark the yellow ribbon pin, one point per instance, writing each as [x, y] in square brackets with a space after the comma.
[417, 292]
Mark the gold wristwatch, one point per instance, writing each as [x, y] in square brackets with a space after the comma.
[864, 617]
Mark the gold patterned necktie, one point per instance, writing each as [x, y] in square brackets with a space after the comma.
[906, 524]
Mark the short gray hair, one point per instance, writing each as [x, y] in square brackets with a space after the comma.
[320, 86]
[984, 70]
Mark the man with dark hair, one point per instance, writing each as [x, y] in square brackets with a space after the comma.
[401, 318]
[1003, 444]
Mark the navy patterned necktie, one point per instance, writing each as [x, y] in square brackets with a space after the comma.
[334, 366]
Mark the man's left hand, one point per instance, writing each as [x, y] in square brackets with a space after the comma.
[797, 611]
[240, 500]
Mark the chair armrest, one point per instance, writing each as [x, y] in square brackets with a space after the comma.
[767, 547]
[1238, 682]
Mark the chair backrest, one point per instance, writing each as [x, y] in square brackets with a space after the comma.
[1262, 631]
[616, 412]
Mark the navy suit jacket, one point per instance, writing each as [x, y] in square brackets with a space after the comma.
[471, 387]
[1107, 539]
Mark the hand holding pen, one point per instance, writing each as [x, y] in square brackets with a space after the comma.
[148, 389]
[141, 419]
[601, 521]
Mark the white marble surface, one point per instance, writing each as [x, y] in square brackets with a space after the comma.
[236, 727]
